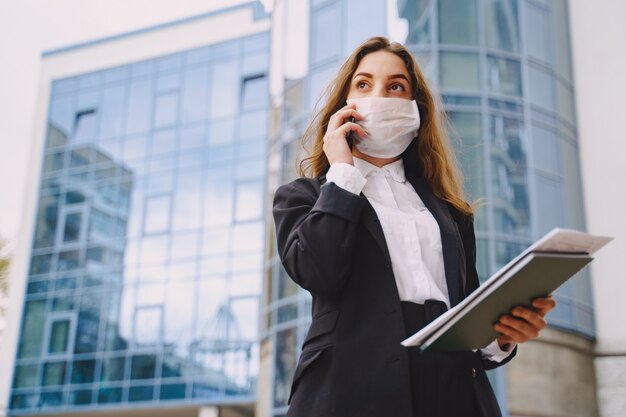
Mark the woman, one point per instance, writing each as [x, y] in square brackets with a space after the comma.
[381, 236]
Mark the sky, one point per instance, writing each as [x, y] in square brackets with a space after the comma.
[29, 27]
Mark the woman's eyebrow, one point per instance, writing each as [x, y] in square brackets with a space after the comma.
[402, 76]
[390, 77]
[363, 74]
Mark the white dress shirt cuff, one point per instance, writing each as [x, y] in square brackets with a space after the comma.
[347, 177]
[493, 352]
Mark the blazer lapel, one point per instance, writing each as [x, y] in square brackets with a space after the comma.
[372, 224]
[449, 240]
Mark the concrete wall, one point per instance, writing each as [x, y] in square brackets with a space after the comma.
[599, 39]
[553, 376]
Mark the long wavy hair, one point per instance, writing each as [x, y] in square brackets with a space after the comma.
[430, 154]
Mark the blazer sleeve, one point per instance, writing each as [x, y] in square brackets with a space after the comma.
[315, 232]
[469, 244]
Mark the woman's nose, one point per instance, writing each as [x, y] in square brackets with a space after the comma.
[379, 91]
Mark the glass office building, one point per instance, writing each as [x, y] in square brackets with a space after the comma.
[153, 276]
[147, 256]
[503, 69]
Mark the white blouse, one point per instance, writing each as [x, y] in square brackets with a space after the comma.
[411, 232]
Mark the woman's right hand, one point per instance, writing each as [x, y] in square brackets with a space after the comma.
[335, 143]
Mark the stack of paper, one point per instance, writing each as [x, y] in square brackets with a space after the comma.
[536, 272]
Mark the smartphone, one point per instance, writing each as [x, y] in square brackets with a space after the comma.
[350, 137]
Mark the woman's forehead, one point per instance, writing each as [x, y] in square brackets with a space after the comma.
[381, 63]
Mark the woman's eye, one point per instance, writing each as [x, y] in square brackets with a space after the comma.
[397, 87]
[361, 84]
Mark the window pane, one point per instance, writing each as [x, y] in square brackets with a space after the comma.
[549, 204]
[285, 365]
[249, 201]
[139, 107]
[195, 93]
[538, 33]
[143, 367]
[253, 125]
[157, 214]
[218, 203]
[59, 333]
[222, 131]
[505, 77]
[113, 111]
[112, 369]
[360, 11]
[53, 373]
[225, 83]
[165, 110]
[547, 156]
[83, 371]
[459, 71]
[502, 24]
[148, 321]
[32, 329]
[468, 127]
[25, 376]
[509, 176]
[85, 126]
[326, 33]
[46, 221]
[541, 88]
[457, 22]
[62, 114]
[255, 93]
[72, 227]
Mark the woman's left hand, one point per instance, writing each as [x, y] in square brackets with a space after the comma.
[524, 324]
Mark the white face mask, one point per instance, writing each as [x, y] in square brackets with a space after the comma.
[391, 123]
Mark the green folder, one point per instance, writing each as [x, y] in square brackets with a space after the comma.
[534, 273]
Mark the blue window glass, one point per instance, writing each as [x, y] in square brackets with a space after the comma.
[195, 94]
[25, 376]
[139, 107]
[109, 395]
[83, 371]
[32, 329]
[112, 369]
[458, 22]
[47, 217]
[249, 201]
[81, 397]
[59, 335]
[541, 87]
[538, 33]
[225, 84]
[254, 93]
[360, 11]
[172, 391]
[501, 23]
[62, 115]
[325, 33]
[141, 393]
[165, 110]
[459, 71]
[143, 367]
[113, 110]
[505, 76]
[53, 373]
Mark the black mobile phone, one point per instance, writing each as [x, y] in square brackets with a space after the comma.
[350, 137]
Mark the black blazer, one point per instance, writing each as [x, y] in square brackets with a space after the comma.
[331, 243]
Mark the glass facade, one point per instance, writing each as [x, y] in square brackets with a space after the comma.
[149, 251]
[147, 258]
[503, 69]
